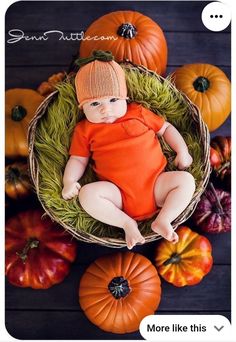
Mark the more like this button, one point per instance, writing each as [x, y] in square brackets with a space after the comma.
[186, 328]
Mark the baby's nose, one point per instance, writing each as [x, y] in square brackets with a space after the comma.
[104, 108]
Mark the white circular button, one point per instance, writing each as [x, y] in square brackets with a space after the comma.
[216, 16]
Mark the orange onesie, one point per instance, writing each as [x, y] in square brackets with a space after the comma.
[127, 153]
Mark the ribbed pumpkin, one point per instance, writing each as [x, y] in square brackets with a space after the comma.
[21, 105]
[186, 262]
[117, 291]
[17, 180]
[38, 253]
[136, 38]
[213, 212]
[207, 87]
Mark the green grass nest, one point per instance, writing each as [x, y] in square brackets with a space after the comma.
[53, 135]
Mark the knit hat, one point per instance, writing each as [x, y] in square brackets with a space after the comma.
[99, 77]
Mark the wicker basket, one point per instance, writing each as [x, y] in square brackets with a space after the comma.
[108, 241]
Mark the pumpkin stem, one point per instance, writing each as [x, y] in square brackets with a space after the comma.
[18, 113]
[13, 174]
[218, 207]
[174, 259]
[119, 287]
[201, 84]
[127, 31]
[223, 167]
[31, 243]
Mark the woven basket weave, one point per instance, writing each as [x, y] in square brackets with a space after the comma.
[108, 241]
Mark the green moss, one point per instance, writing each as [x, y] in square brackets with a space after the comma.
[54, 131]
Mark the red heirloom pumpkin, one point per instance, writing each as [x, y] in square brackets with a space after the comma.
[213, 212]
[17, 180]
[220, 157]
[117, 291]
[186, 262]
[38, 254]
[136, 38]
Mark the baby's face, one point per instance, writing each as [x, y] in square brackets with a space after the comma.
[106, 110]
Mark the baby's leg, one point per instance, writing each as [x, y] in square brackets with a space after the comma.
[102, 200]
[173, 192]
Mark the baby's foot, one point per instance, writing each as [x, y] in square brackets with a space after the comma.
[132, 234]
[165, 229]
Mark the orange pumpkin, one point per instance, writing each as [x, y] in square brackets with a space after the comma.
[117, 291]
[47, 87]
[17, 181]
[207, 87]
[21, 105]
[186, 262]
[136, 38]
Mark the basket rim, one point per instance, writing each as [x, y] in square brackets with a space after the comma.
[115, 242]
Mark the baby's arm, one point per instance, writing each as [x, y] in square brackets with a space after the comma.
[177, 143]
[74, 170]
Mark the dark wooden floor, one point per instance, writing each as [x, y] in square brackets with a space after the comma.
[55, 313]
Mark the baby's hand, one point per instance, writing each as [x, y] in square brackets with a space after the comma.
[71, 190]
[183, 160]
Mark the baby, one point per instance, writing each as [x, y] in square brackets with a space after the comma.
[122, 141]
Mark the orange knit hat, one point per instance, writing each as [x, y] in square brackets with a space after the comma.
[99, 78]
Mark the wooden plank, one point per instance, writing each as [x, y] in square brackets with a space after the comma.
[184, 47]
[46, 325]
[221, 244]
[221, 249]
[224, 129]
[170, 15]
[31, 76]
[212, 294]
[67, 325]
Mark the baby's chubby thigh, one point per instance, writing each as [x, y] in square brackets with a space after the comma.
[93, 196]
[170, 180]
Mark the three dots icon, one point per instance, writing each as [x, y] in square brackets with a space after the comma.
[216, 16]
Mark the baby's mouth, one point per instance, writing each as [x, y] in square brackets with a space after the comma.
[109, 119]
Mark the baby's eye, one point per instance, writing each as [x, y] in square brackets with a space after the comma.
[94, 104]
[114, 99]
